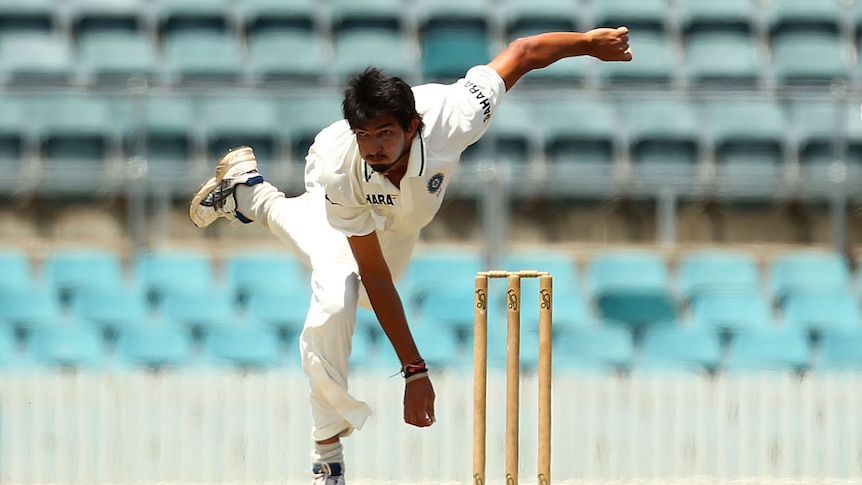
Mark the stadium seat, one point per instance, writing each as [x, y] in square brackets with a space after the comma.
[654, 64]
[154, 344]
[364, 353]
[308, 63]
[454, 35]
[173, 17]
[244, 346]
[356, 49]
[812, 271]
[14, 133]
[768, 349]
[448, 309]
[162, 130]
[638, 15]
[679, 349]
[305, 115]
[749, 138]
[731, 312]
[522, 18]
[441, 270]
[810, 59]
[10, 356]
[664, 139]
[34, 16]
[238, 120]
[200, 311]
[512, 135]
[111, 309]
[30, 59]
[71, 271]
[722, 59]
[261, 16]
[193, 57]
[839, 352]
[247, 273]
[31, 307]
[378, 15]
[579, 131]
[717, 272]
[497, 347]
[788, 17]
[815, 125]
[821, 314]
[726, 17]
[68, 345]
[165, 271]
[285, 311]
[89, 17]
[15, 268]
[601, 348]
[118, 57]
[440, 349]
[631, 287]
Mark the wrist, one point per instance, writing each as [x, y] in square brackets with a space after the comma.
[414, 368]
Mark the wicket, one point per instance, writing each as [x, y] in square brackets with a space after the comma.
[513, 344]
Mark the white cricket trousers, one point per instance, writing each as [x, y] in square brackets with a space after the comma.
[325, 341]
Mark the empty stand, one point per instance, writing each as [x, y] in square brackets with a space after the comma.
[71, 271]
[202, 56]
[162, 272]
[454, 35]
[716, 272]
[37, 16]
[355, 50]
[512, 136]
[247, 273]
[118, 57]
[111, 308]
[653, 66]
[822, 314]
[308, 62]
[245, 347]
[30, 307]
[604, 348]
[28, 59]
[731, 312]
[800, 272]
[683, 349]
[154, 344]
[173, 17]
[14, 133]
[200, 311]
[305, 115]
[259, 16]
[284, 311]
[729, 17]
[96, 17]
[839, 352]
[254, 121]
[582, 132]
[16, 270]
[70, 345]
[810, 58]
[768, 349]
[723, 60]
[522, 18]
[377, 15]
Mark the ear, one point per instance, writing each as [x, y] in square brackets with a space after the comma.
[413, 128]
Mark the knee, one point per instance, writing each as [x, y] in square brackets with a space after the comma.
[335, 291]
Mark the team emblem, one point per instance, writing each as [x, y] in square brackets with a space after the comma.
[435, 182]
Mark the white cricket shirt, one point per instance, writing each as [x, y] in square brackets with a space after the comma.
[360, 201]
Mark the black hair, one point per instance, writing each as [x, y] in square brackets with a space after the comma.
[373, 93]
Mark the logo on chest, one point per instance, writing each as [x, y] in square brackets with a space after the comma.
[380, 199]
[435, 182]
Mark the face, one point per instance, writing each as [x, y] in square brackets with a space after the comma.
[383, 143]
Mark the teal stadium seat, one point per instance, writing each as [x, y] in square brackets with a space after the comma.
[10, 356]
[442, 271]
[356, 49]
[717, 272]
[664, 139]
[528, 357]
[637, 15]
[202, 57]
[454, 35]
[726, 17]
[602, 349]
[378, 15]
[284, 311]
[730, 313]
[118, 57]
[749, 142]
[821, 314]
[237, 120]
[29, 307]
[810, 59]
[200, 311]
[308, 62]
[247, 347]
[96, 17]
[33, 59]
[815, 126]
[364, 354]
[808, 271]
[523, 18]
[723, 60]
[839, 352]
[263, 16]
[74, 128]
[186, 16]
[154, 345]
[161, 272]
[73, 270]
[69, 345]
[305, 115]
[789, 17]
[654, 65]
[112, 308]
[15, 268]
[631, 287]
[160, 129]
[679, 349]
[247, 273]
[452, 310]
[14, 134]
[768, 350]
[36, 16]
[513, 136]
[441, 349]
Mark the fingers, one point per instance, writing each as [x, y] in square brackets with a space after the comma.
[623, 29]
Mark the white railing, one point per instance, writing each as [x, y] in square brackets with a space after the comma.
[221, 427]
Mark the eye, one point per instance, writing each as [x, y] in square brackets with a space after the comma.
[361, 134]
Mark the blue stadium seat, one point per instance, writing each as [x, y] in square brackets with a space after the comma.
[201, 311]
[247, 273]
[522, 18]
[260, 16]
[15, 268]
[305, 115]
[580, 131]
[244, 346]
[111, 308]
[173, 17]
[30, 59]
[727, 17]
[723, 60]
[822, 313]
[638, 15]
[14, 132]
[118, 57]
[10, 355]
[664, 138]
[161, 129]
[67, 345]
[813, 271]
[440, 348]
[653, 65]
[497, 346]
[163, 271]
[717, 271]
[601, 348]
[364, 353]
[768, 349]
[679, 349]
[34, 16]
[448, 309]
[815, 124]
[154, 345]
[435, 270]
[30, 307]
[512, 135]
[308, 63]
[70, 271]
[790, 17]
[89, 17]
[454, 35]
[631, 287]
[283, 310]
[811, 59]
[378, 15]
[355, 50]
[731, 312]
[237, 120]
[72, 128]
[200, 57]
[839, 352]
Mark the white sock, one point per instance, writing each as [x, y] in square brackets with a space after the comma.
[251, 200]
[328, 453]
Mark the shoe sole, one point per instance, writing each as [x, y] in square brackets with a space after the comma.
[210, 185]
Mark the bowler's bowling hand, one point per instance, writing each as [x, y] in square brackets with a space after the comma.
[419, 401]
[610, 44]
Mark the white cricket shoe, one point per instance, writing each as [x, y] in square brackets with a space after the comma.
[215, 198]
[323, 474]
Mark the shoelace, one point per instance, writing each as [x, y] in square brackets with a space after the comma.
[217, 197]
